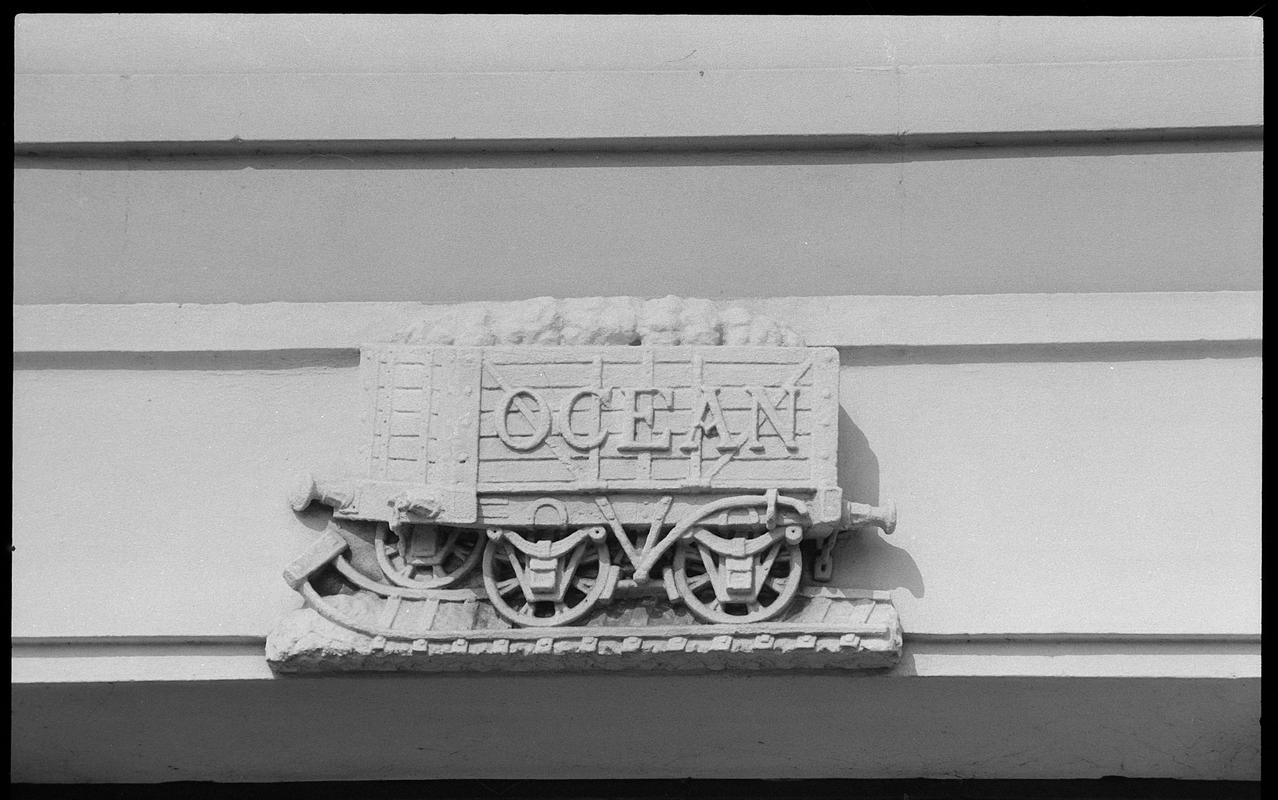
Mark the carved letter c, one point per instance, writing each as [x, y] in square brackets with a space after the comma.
[578, 440]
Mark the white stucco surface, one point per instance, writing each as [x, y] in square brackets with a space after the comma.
[1038, 495]
[369, 44]
[510, 78]
[448, 228]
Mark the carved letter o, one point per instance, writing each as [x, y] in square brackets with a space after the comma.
[539, 420]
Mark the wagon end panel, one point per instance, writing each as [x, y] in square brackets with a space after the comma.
[421, 408]
[397, 393]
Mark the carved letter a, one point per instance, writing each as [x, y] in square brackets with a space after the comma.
[708, 403]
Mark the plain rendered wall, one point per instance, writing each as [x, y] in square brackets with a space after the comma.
[1037, 495]
[1088, 217]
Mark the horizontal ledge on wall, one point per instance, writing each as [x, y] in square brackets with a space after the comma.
[975, 141]
[592, 104]
[36, 661]
[1223, 319]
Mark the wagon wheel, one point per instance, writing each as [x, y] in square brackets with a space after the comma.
[459, 552]
[693, 562]
[503, 564]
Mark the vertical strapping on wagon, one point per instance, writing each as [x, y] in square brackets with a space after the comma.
[695, 435]
[381, 416]
[825, 424]
[426, 409]
[454, 432]
[643, 464]
[597, 367]
[368, 412]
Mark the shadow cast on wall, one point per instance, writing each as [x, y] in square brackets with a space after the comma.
[864, 559]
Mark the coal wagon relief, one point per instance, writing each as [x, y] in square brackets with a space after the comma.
[606, 484]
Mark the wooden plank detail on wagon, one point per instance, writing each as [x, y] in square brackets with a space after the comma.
[682, 417]
[397, 390]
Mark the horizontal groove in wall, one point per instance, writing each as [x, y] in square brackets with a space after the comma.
[28, 645]
[1108, 788]
[140, 658]
[979, 141]
[210, 360]
[177, 158]
[1068, 638]
[850, 356]
[873, 328]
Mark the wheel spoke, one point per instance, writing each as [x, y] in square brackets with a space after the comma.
[765, 568]
[507, 586]
[450, 541]
[713, 568]
[514, 561]
[707, 560]
[574, 560]
[696, 583]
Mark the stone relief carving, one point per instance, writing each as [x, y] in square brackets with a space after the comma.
[588, 483]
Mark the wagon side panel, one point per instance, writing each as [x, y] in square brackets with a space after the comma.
[544, 410]
[767, 401]
[520, 440]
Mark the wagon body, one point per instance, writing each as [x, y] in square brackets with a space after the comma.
[561, 437]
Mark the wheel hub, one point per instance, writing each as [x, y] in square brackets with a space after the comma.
[738, 584]
[543, 577]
